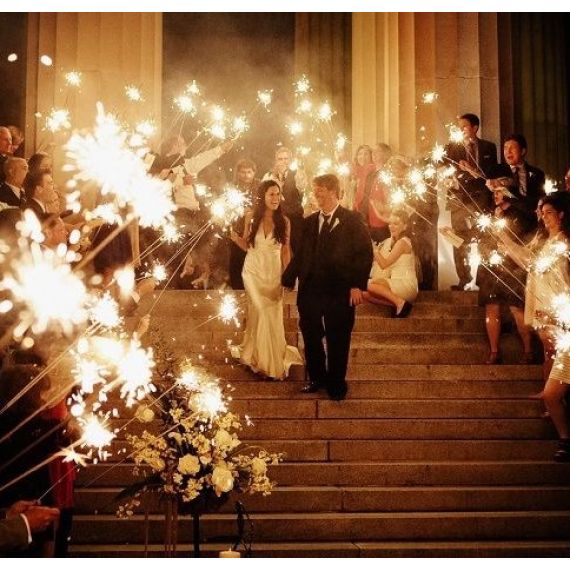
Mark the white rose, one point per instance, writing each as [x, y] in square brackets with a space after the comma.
[258, 467]
[223, 439]
[188, 465]
[144, 414]
[223, 480]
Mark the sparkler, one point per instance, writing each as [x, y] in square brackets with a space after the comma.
[134, 372]
[240, 125]
[495, 258]
[125, 278]
[105, 159]
[218, 131]
[146, 128]
[12, 57]
[208, 399]
[264, 97]
[305, 106]
[193, 88]
[133, 93]
[437, 153]
[429, 97]
[105, 312]
[95, 433]
[295, 128]
[302, 85]
[46, 60]
[159, 273]
[57, 120]
[53, 296]
[185, 104]
[229, 206]
[73, 78]
[229, 309]
[325, 112]
[549, 186]
[455, 134]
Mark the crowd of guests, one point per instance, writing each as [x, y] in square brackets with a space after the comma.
[339, 241]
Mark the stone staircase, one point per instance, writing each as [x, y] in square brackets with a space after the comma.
[432, 454]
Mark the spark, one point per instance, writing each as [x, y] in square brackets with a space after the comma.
[386, 177]
[134, 372]
[305, 106]
[397, 196]
[31, 227]
[295, 128]
[420, 189]
[218, 113]
[304, 150]
[430, 171]
[325, 165]
[208, 399]
[240, 125]
[340, 142]
[73, 78]
[46, 60]
[125, 278]
[146, 128]
[438, 153]
[302, 85]
[484, 221]
[95, 433]
[500, 224]
[429, 97]
[495, 258]
[70, 455]
[549, 186]
[455, 134]
[57, 120]
[343, 169]
[38, 280]
[87, 374]
[415, 176]
[264, 97]
[218, 131]
[185, 104]
[159, 273]
[103, 157]
[229, 206]
[325, 112]
[105, 312]
[193, 88]
[228, 309]
[12, 57]
[170, 233]
[133, 93]
[562, 340]
[561, 304]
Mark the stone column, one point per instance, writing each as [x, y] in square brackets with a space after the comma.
[111, 50]
[396, 57]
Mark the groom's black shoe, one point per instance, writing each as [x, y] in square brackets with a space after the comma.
[311, 388]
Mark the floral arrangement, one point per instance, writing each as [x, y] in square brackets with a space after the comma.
[193, 453]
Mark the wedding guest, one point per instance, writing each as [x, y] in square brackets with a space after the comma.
[361, 168]
[503, 283]
[12, 190]
[17, 140]
[393, 280]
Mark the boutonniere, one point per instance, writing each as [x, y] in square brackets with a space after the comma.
[530, 174]
[335, 224]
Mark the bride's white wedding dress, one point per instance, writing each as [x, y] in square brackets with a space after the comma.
[264, 348]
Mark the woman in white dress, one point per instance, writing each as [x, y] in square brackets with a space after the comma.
[393, 279]
[266, 240]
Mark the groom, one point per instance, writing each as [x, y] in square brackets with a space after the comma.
[333, 264]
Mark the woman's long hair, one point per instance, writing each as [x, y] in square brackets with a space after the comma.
[560, 201]
[279, 233]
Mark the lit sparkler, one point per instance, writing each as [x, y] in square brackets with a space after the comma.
[218, 131]
[73, 78]
[146, 128]
[437, 153]
[240, 125]
[228, 207]
[46, 60]
[340, 142]
[495, 258]
[95, 433]
[185, 104]
[484, 221]
[229, 309]
[295, 128]
[105, 311]
[134, 372]
[57, 120]
[455, 134]
[193, 88]
[325, 112]
[125, 278]
[133, 93]
[159, 273]
[429, 97]
[549, 186]
[12, 57]
[264, 97]
[302, 85]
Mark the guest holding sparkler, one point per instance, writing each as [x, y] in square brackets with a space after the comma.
[266, 239]
[474, 158]
[393, 280]
[502, 281]
[549, 280]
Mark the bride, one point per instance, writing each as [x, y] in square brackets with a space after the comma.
[266, 240]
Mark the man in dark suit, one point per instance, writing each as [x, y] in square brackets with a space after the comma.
[527, 181]
[11, 191]
[474, 158]
[40, 193]
[333, 264]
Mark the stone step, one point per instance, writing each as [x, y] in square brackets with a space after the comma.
[366, 473]
[375, 409]
[400, 429]
[396, 450]
[343, 428]
[340, 526]
[398, 389]
[369, 323]
[384, 549]
[360, 499]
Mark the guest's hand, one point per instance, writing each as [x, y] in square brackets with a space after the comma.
[39, 518]
[18, 508]
[356, 297]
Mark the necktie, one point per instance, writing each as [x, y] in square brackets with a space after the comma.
[325, 227]
[521, 177]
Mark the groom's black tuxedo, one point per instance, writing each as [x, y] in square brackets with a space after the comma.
[328, 264]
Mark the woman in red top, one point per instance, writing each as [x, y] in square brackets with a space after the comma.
[361, 168]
